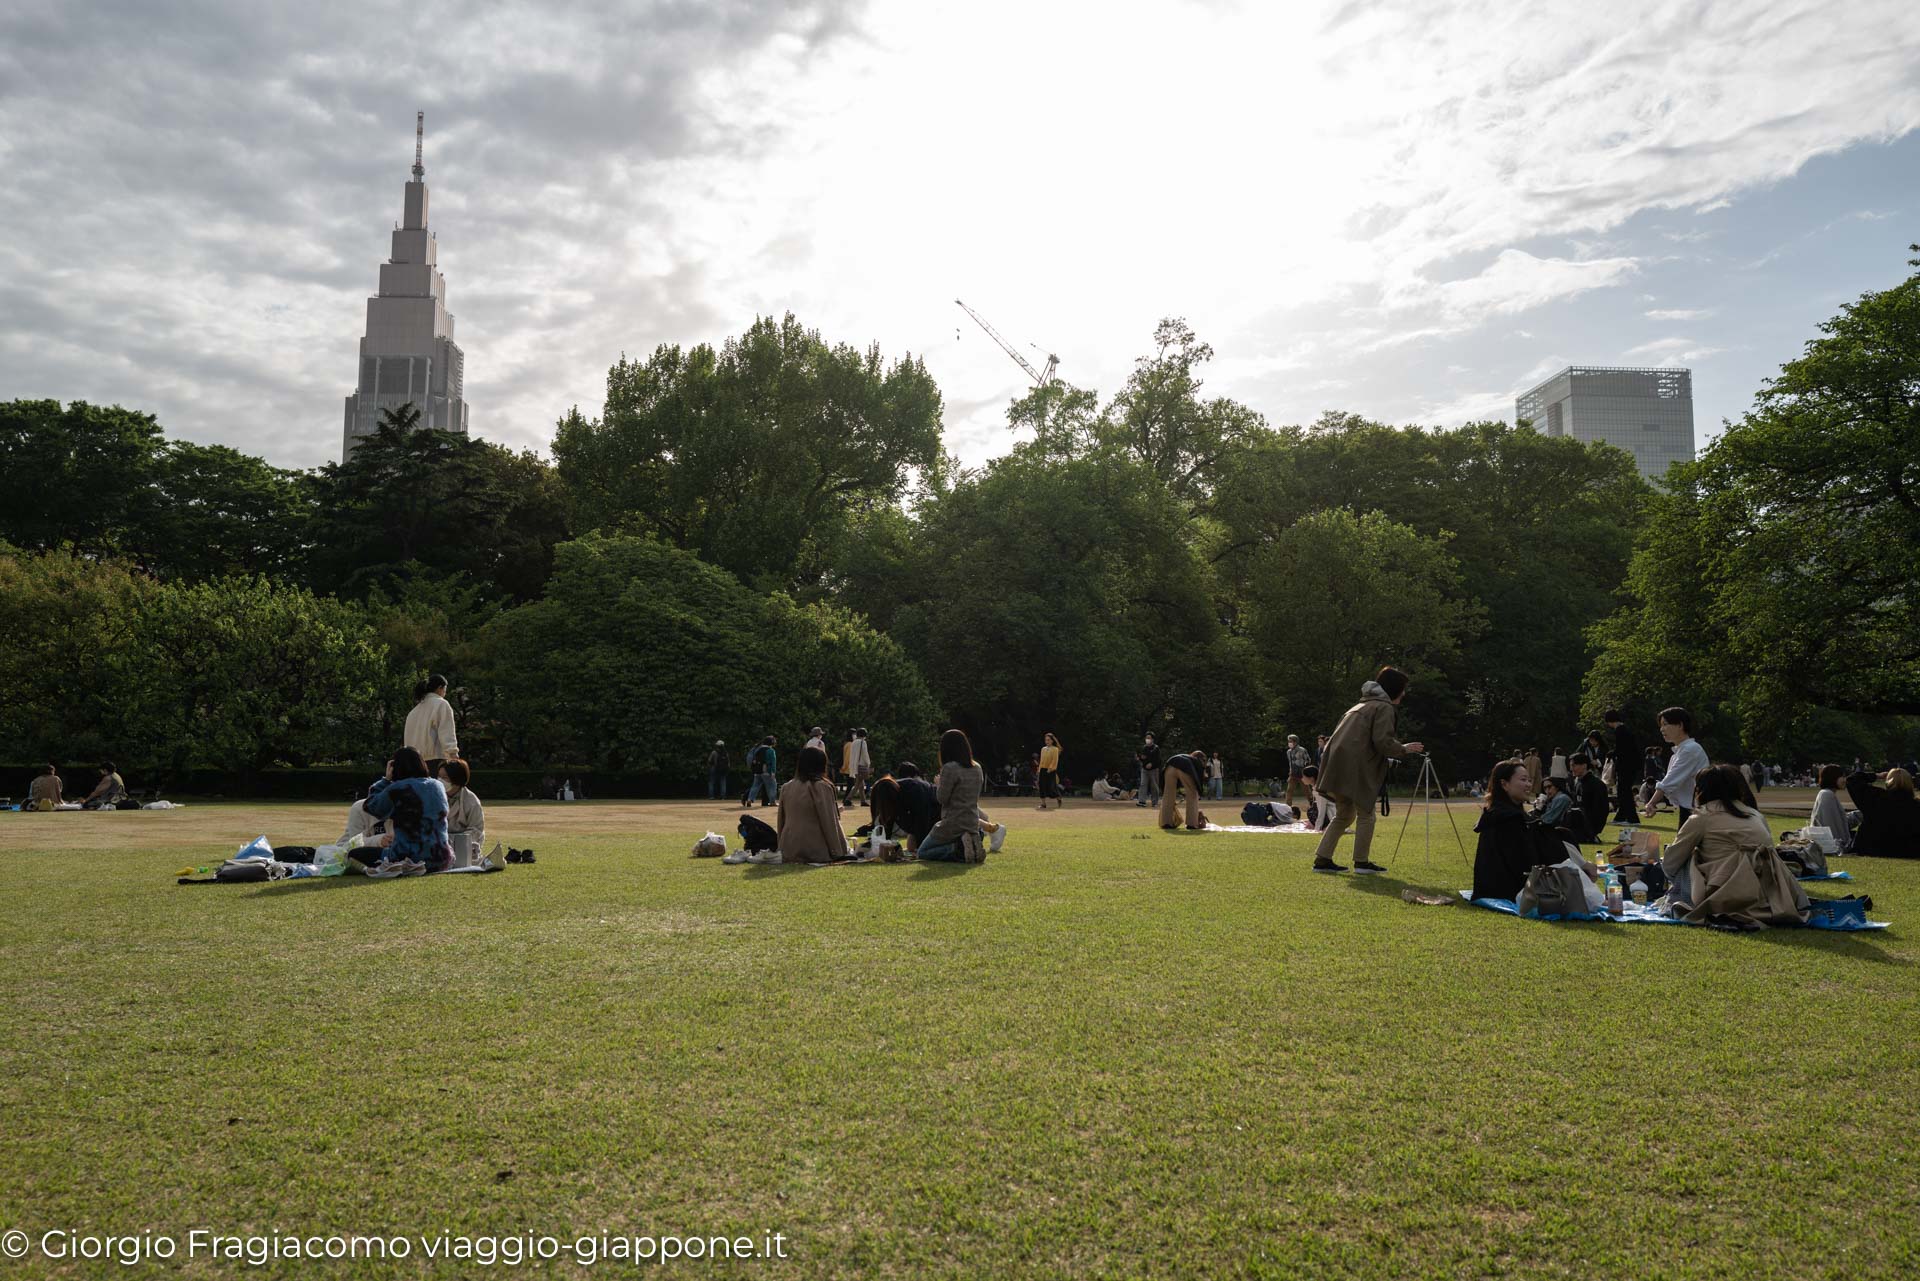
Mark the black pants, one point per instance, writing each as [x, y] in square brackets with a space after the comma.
[1624, 809]
[1049, 785]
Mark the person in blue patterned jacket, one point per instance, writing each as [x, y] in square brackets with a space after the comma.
[415, 807]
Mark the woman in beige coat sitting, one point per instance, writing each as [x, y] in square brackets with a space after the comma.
[808, 827]
[1723, 864]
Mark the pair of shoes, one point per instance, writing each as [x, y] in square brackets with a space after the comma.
[735, 856]
[1367, 865]
[519, 856]
[1327, 865]
[397, 867]
[999, 839]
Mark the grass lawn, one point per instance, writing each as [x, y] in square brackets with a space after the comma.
[1108, 1051]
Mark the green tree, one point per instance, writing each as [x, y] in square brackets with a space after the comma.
[1781, 577]
[63, 619]
[438, 499]
[212, 511]
[640, 655]
[762, 457]
[76, 476]
[242, 673]
[1336, 595]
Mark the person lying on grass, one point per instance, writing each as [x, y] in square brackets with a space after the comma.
[416, 809]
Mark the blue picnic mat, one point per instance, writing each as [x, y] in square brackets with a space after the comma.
[1826, 876]
[1632, 914]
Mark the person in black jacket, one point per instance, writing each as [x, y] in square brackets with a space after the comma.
[1589, 799]
[1628, 765]
[1512, 842]
[1889, 816]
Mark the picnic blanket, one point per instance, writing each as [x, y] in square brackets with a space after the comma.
[1296, 829]
[1633, 914]
[1826, 876]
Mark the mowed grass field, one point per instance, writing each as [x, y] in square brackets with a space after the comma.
[1108, 1051]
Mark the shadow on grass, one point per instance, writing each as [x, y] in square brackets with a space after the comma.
[306, 884]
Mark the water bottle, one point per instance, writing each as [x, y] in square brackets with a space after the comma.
[1615, 905]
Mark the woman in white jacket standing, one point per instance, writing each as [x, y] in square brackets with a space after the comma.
[430, 724]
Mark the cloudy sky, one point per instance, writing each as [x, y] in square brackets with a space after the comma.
[1406, 209]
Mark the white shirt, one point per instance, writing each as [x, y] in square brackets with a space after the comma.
[820, 743]
[430, 729]
[860, 758]
[1689, 758]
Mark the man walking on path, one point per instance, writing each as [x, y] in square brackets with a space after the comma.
[717, 763]
[1355, 768]
[763, 762]
[1298, 758]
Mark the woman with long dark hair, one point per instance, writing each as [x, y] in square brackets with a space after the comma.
[808, 827]
[956, 837]
[1723, 864]
[1512, 842]
[1050, 773]
[1828, 812]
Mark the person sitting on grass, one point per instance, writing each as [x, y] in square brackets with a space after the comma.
[1185, 773]
[1554, 804]
[1723, 864]
[1889, 814]
[415, 807]
[44, 792]
[1104, 789]
[1512, 842]
[108, 792]
[1590, 800]
[465, 817]
[808, 825]
[1827, 810]
[1319, 808]
[956, 837]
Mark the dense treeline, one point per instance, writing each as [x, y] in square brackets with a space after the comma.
[770, 535]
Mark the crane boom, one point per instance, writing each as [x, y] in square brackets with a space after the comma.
[1039, 379]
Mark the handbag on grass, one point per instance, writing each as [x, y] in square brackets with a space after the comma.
[1553, 889]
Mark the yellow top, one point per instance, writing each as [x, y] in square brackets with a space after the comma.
[1050, 756]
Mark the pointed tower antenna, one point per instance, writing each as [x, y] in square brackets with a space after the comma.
[419, 135]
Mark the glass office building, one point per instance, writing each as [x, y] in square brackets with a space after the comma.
[1647, 412]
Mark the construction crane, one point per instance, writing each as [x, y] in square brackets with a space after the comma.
[1041, 378]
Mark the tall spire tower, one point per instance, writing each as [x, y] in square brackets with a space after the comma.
[408, 355]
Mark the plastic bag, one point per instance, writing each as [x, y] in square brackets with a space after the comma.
[258, 847]
[712, 845]
[329, 860]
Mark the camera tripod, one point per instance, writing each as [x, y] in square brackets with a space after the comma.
[1427, 790]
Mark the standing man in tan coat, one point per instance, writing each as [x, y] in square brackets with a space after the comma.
[1355, 765]
[429, 729]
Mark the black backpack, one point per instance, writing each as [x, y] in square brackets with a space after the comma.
[759, 837]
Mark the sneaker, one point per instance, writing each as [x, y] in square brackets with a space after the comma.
[1367, 865]
[736, 856]
[1327, 865]
[999, 839]
[398, 867]
[973, 849]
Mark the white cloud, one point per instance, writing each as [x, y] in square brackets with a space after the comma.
[1666, 313]
[1320, 188]
[1672, 351]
